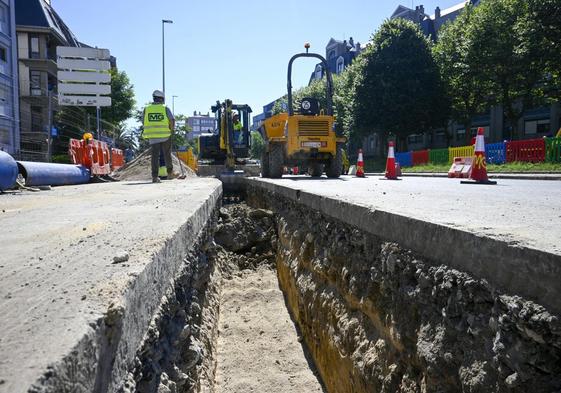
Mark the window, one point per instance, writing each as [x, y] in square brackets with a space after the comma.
[3, 54]
[331, 55]
[34, 47]
[440, 137]
[418, 138]
[534, 127]
[36, 119]
[35, 83]
[340, 64]
[4, 95]
[4, 19]
[319, 72]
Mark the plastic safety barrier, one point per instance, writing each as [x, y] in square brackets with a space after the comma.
[553, 149]
[189, 158]
[495, 153]
[462, 151]
[404, 159]
[461, 167]
[438, 156]
[117, 158]
[92, 154]
[420, 157]
[532, 150]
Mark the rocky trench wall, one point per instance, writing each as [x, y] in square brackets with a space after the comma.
[377, 317]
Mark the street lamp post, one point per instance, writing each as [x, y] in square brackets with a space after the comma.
[164, 21]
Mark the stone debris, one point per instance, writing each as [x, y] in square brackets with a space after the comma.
[121, 257]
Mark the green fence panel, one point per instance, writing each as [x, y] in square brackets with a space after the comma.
[438, 156]
[553, 149]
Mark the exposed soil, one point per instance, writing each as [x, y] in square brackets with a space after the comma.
[258, 349]
[139, 168]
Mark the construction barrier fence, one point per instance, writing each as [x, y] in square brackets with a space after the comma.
[438, 156]
[495, 153]
[188, 158]
[420, 157]
[553, 149]
[532, 150]
[462, 151]
[404, 159]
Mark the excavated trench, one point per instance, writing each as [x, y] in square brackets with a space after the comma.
[280, 298]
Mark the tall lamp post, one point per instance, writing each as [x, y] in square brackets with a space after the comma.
[164, 21]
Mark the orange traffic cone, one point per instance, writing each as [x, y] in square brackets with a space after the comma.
[391, 173]
[360, 165]
[479, 166]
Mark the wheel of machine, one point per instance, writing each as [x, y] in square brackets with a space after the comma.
[335, 167]
[265, 166]
[276, 161]
[315, 169]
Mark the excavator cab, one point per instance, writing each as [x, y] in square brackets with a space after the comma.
[231, 140]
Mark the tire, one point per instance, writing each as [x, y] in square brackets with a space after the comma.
[335, 167]
[265, 166]
[315, 169]
[276, 161]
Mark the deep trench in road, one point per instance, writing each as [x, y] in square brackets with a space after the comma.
[284, 299]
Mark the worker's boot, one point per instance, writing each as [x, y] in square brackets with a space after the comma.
[156, 180]
[172, 175]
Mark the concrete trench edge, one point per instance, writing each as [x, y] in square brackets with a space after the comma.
[104, 356]
[511, 268]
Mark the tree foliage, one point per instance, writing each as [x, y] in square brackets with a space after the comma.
[461, 70]
[122, 99]
[397, 89]
[257, 145]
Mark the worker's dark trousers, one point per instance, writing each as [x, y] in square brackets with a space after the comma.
[155, 151]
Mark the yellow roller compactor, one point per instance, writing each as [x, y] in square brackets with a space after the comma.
[307, 138]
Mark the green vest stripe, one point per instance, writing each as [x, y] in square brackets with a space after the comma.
[156, 122]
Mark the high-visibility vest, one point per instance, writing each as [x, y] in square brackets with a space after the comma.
[238, 126]
[156, 122]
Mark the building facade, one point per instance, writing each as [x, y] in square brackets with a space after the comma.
[9, 94]
[200, 124]
[39, 31]
[339, 55]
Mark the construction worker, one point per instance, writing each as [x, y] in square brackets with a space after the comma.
[238, 135]
[159, 124]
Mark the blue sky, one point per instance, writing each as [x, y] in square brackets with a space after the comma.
[222, 49]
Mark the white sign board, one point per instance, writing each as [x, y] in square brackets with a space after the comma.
[83, 74]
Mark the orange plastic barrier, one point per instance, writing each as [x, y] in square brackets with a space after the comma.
[117, 158]
[92, 154]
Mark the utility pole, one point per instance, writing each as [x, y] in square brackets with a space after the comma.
[164, 21]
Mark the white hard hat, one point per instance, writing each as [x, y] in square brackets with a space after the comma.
[158, 93]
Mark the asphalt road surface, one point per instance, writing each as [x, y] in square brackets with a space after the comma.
[520, 212]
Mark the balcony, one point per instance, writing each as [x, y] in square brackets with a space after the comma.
[46, 65]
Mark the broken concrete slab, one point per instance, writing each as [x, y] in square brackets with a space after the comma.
[72, 318]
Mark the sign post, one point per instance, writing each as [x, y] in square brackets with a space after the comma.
[83, 78]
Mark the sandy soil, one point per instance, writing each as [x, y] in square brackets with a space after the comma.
[258, 348]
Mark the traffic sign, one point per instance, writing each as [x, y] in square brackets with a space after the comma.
[83, 76]
[83, 100]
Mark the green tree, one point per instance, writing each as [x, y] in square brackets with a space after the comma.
[508, 56]
[461, 70]
[257, 145]
[398, 89]
[122, 99]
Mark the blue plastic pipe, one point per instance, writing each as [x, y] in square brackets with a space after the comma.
[8, 171]
[45, 174]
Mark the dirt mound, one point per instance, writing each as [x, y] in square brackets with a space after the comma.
[139, 168]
